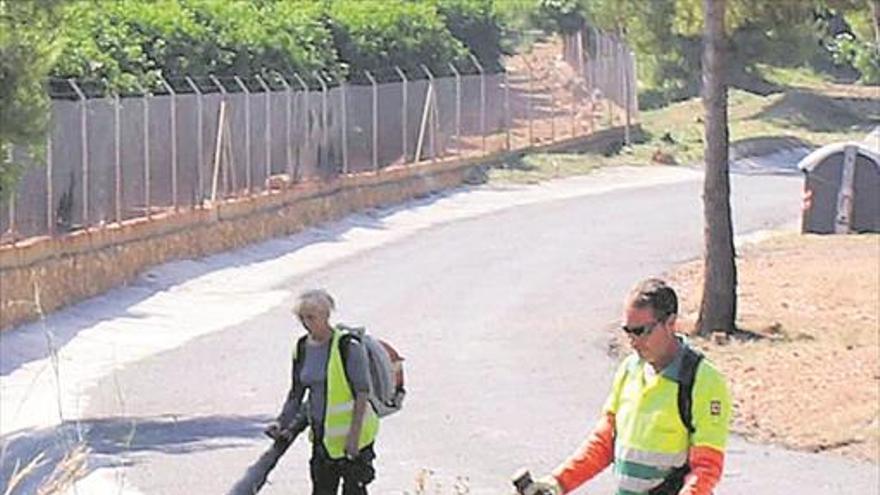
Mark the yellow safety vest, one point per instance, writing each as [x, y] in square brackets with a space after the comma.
[650, 440]
[339, 412]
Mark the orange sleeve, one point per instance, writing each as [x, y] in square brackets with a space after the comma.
[594, 455]
[706, 466]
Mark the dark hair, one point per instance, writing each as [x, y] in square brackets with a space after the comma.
[655, 294]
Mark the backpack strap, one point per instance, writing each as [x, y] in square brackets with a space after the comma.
[690, 360]
[299, 351]
[344, 340]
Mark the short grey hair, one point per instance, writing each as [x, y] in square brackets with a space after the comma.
[316, 299]
[655, 294]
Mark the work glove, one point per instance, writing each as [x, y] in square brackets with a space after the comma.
[546, 485]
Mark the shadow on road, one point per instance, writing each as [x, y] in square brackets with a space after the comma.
[109, 439]
[36, 341]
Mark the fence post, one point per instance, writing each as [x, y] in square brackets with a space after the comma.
[482, 99]
[432, 112]
[267, 132]
[573, 110]
[50, 206]
[552, 113]
[200, 143]
[609, 80]
[624, 63]
[529, 101]
[145, 106]
[288, 93]
[12, 197]
[404, 110]
[218, 151]
[324, 137]
[633, 86]
[506, 110]
[84, 155]
[343, 102]
[247, 132]
[173, 141]
[117, 170]
[457, 109]
[579, 51]
[375, 123]
[305, 124]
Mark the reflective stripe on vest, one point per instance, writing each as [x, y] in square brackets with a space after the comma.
[650, 439]
[340, 407]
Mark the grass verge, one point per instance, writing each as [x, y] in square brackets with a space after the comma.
[808, 110]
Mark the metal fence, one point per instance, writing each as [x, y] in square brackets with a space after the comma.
[115, 158]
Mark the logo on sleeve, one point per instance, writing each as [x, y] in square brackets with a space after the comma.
[715, 408]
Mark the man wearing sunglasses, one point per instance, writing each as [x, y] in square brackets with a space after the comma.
[661, 440]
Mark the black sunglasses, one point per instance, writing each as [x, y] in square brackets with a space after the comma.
[642, 330]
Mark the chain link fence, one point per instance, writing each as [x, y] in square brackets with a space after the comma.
[111, 159]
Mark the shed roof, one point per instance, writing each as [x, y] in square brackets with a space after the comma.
[809, 162]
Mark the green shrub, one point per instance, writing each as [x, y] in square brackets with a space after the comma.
[864, 56]
[377, 35]
[477, 25]
[128, 43]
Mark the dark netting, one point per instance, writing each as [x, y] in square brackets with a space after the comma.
[5, 221]
[334, 133]
[67, 164]
[471, 107]
[302, 155]
[519, 108]
[444, 118]
[189, 135]
[30, 197]
[359, 127]
[211, 120]
[311, 149]
[390, 98]
[308, 133]
[495, 123]
[134, 176]
[238, 176]
[281, 120]
[101, 161]
[160, 153]
[259, 134]
[417, 92]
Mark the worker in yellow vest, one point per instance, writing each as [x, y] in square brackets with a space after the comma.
[332, 367]
[665, 422]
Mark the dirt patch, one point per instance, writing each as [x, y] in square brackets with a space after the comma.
[805, 372]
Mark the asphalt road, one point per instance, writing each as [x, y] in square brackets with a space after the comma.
[504, 320]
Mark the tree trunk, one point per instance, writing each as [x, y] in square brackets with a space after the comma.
[718, 307]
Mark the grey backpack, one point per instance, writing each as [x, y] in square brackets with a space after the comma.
[386, 370]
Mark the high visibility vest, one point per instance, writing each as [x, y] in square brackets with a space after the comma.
[339, 412]
[650, 440]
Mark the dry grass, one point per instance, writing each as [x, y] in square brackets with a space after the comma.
[426, 483]
[811, 381]
[810, 110]
[71, 468]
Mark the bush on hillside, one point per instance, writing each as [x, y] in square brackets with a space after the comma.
[126, 44]
[376, 35]
[478, 25]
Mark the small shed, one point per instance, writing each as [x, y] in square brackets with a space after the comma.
[842, 189]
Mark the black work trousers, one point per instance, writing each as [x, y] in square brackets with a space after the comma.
[355, 473]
